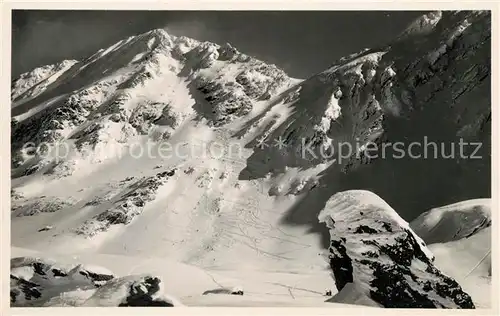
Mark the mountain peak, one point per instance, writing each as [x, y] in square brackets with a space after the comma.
[165, 146]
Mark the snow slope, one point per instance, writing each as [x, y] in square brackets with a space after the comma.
[461, 230]
[188, 284]
[32, 83]
[453, 222]
[233, 195]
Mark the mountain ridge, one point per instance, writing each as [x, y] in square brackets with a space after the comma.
[261, 201]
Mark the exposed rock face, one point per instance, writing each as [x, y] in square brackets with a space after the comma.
[40, 282]
[55, 123]
[39, 205]
[373, 248]
[436, 93]
[119, 93]
[227, 52]
[31, 83]
[22, 290]
[228, 101]
[140, 290]
[128, 206]
[432, 83]
[36, 281]
[233, 94]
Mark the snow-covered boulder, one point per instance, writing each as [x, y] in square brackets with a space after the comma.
[42, 282]
[236, 290]
[134, 290]
[376, 250]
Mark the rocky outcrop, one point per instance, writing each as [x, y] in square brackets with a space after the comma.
[40, 282]
[420, 85]
[118, 94]
[36, 281]
[32, 83]
[228, 52]
[33, 207]
[227, 100]
[338, 107]
[128, 206]
[136, 290]
[373, 248]
[233, 95]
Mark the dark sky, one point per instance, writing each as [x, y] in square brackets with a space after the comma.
[300, 42]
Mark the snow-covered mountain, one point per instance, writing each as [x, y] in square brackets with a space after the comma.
[377, 251]
[167, 149]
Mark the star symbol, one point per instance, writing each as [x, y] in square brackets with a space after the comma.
[261, 142]
[280, 143]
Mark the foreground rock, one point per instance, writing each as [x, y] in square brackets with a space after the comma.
[40, 282]
[37, 282]
[375, 250]
[135, 290]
